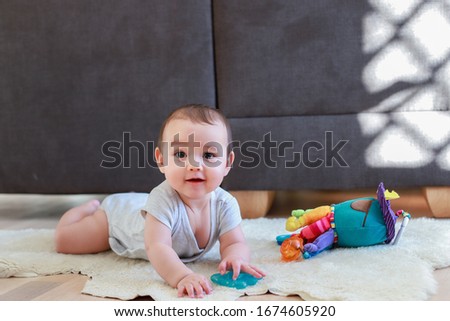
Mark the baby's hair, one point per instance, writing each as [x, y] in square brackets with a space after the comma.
[200, 114]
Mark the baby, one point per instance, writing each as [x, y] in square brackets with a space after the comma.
[182, 218]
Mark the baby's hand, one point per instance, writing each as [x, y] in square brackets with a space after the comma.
[194, 285]
[237, 264]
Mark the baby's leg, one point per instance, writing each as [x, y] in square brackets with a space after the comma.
[82, 229]
[77, 213]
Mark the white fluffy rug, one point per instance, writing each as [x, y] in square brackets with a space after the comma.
[384, 272]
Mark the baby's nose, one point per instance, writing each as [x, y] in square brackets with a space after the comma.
[195, 166]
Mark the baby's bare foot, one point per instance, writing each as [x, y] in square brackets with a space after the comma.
[88, 208]
[92, 205]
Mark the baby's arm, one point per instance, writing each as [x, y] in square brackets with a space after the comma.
[158, 245]
[235, 254]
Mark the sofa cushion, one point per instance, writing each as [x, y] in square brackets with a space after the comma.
[290, 57]
[76, 75]
[341, 151]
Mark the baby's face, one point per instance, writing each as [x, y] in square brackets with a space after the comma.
[194, 157]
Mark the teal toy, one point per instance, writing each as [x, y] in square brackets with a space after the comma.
[359, 222]
[243, 280]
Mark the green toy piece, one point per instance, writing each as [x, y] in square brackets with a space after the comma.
[243, 280]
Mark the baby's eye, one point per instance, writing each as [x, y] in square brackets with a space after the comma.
[180, 154]
[208, 155]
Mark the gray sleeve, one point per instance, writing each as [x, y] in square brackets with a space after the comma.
[229, 214]
[161, 205]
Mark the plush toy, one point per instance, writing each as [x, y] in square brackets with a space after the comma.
[359, 222]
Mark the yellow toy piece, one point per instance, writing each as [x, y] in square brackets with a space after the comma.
[308, 217]
[391, 195]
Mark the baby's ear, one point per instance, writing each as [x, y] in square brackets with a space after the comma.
[230, 160]
[159, 159]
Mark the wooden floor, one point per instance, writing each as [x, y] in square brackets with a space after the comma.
[43, 211]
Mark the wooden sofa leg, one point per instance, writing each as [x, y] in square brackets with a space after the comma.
[438, 199]
[254, 204]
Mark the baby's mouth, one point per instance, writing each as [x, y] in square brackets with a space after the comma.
[195, 180]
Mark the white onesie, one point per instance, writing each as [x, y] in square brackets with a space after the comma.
[126, 220]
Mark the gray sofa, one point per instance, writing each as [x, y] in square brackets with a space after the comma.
[320, 94]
